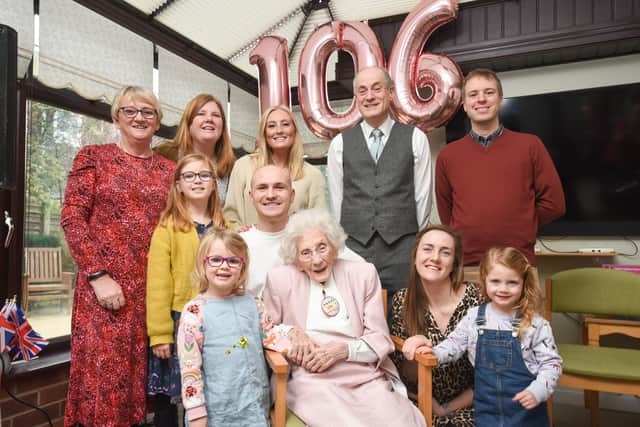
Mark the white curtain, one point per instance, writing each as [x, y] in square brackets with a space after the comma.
[95, 57]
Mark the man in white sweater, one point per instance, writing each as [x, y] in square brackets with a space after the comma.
[271, 194]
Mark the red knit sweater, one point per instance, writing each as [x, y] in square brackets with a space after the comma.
[499, 195]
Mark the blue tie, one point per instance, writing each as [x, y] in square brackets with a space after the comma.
[376, 145]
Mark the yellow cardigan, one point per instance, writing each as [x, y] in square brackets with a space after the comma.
[171, 259]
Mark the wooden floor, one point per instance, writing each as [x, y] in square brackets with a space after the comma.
[569, 412]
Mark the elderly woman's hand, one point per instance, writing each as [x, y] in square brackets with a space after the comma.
[108, 293]
[416, 342]
[301, 346]
[325, 356]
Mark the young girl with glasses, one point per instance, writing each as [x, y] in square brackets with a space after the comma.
[516, 361]
[220, 340]
[192, 209]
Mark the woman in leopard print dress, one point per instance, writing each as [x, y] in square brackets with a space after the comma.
[430, 308]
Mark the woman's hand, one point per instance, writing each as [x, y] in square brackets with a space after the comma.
[108, 292]
[244, 228]
[325, 356]
[301, 346]
[526, 399]
[416, 343]
[162, 351]
[437, 408]
[198, 422]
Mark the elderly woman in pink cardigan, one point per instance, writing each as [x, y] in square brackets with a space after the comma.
[341, 373]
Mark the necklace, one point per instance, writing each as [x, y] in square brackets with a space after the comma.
[329, 304]
[137, 156]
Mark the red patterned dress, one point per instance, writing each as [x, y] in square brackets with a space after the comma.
[111, 206]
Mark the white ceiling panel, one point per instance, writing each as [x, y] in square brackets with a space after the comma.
[230, 28]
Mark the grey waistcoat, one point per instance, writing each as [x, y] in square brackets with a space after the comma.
[378, 197]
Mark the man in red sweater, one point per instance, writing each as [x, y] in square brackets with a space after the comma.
[495, 186]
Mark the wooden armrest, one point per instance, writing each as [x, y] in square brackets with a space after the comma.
[422, 359]
[280, 368]
[277, 362]
[613, 322]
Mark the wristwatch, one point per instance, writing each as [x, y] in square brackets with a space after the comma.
[93, 276]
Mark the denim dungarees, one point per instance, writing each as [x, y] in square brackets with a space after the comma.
[500, 373]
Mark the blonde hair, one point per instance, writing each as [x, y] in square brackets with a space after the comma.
[234, 244]
[177, 208]
[222, 151]
[263, 154]
[417, 300]
[135, 93]
[484, 73]
[530, 301]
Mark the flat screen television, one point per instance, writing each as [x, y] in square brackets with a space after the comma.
[593, 136]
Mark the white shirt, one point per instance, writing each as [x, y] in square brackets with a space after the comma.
[320, 326]
[264, 254]
[421, 169]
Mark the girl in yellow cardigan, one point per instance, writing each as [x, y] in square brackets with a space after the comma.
[193, 207]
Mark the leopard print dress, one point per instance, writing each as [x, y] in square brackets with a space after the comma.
[448, 381]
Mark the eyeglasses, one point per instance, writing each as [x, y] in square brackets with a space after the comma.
[131, 112]
[191, 176]
[217, 260]
[307, 255]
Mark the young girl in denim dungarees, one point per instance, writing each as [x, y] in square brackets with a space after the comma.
[511, 346]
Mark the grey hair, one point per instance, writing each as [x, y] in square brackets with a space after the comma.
[307, 220]
[387, 77]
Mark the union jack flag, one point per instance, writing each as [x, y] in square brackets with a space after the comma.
[7, 328]
[27, 343]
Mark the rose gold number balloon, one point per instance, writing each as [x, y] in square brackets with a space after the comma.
[272, 58]
[410, 70]
[356, 38]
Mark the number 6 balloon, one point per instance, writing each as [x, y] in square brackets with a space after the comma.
[410, 70]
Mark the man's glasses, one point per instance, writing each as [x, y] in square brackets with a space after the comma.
[307, 255]
[131, 112]
[191, 176]
[217, 260]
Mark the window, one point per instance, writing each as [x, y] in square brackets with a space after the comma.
[53, 137]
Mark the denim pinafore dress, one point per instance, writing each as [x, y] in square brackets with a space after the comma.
[500, 373]
[236, 387]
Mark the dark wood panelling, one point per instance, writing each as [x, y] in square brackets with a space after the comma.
[584, 12]
[478, 24]
[532, 28]
[528, 16]
[463, 27]
[511, 19]
[622, 9]
[495, 20]
[565, 14]
[602, 11]
[547, 15]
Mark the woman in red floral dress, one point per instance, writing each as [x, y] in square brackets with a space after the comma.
[113, 199]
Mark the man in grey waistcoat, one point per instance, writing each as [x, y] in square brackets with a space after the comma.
[379, 177]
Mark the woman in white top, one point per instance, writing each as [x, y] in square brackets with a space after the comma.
[278, 143]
